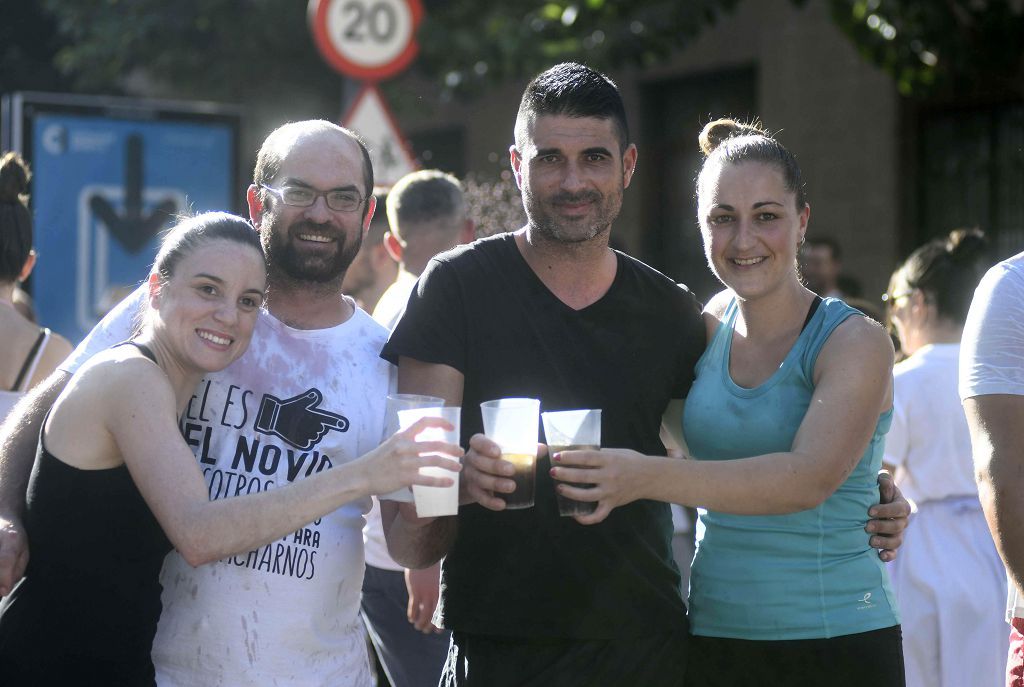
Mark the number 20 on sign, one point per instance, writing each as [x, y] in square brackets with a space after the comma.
[369, 40]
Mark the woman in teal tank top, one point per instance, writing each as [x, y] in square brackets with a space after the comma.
[786, 422]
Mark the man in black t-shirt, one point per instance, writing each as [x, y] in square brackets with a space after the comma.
[551, 312]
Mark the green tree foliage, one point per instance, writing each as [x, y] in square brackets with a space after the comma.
[467, 44]
[945, 47]
[228, 49]
[216, 49]
[28, 42]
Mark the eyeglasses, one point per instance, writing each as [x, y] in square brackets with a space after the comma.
[303, 197]
[891, 298]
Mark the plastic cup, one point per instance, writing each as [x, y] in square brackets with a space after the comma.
[573, 430]
[512, 423]
[435, 501]
[396, 402]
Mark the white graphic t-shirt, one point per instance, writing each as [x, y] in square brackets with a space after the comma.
[297, 402]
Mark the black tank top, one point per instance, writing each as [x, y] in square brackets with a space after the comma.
[87, 609]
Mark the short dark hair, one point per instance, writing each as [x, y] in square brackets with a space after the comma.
[191, 233]
[15, 218]
[423, 197]
[573, 90]
[272, 152]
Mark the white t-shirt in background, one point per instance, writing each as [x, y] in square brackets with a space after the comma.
[388, 311]
[929, 442]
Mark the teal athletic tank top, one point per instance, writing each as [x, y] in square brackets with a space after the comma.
[805, 575]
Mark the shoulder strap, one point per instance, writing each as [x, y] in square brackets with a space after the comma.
[28, 368]
[810, 311]
[142, 348]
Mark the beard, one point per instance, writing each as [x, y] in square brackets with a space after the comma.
[543, 216]
[285, 255]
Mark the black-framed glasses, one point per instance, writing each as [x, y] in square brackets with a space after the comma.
[339, 200]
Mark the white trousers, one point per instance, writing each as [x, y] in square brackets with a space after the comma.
[951, 587]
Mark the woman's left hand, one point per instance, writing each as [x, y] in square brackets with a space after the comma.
[615, 474]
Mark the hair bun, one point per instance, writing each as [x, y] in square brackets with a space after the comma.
[14, 178]
[717, 132]
[966, 245]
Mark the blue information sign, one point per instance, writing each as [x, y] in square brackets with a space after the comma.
[105, 184]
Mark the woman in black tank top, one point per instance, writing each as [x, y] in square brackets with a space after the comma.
[115, 486]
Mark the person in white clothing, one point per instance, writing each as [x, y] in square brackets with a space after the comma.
[992, 390]
[427, 215]
[308, 395]
[949, 579]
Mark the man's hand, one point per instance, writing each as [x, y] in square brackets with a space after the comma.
[889, 518]
[13, 554]
[485, 475]
[424, 589]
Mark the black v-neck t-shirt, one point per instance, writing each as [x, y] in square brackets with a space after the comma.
[531, 573]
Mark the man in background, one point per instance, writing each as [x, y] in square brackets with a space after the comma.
[427, 214]
[374, 269]
[821, 262]
[426, 211]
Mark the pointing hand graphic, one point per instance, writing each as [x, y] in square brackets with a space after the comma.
[298, 420]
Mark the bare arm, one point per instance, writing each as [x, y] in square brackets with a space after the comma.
[19, 435]
[141, 418]
[420, 542]
[997, 434]
[852, 387]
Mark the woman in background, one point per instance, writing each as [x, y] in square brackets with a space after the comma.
[949, 580]
[28, 353]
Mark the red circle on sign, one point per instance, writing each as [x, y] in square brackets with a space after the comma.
[346, 66]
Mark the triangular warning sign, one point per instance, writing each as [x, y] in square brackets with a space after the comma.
[370, 117]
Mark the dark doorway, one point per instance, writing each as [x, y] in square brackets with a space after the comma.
[674, 111]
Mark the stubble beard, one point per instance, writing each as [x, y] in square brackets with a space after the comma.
[542, 217]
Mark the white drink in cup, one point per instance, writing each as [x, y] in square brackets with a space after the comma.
[435, 501]
[512, 423]
[573, 430]
[395, 403]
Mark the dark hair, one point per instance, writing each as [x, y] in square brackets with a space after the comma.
[15, 218]
[726, 140]
[277, 144]
[423, 197]
[574, 90]
[191, 233]
[947, 270]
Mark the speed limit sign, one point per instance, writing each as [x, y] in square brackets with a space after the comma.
[366, 39]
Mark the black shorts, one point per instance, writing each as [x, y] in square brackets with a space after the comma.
[488, 661]
[867, 659]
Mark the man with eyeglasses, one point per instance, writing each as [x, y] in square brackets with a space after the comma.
[308, 394]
